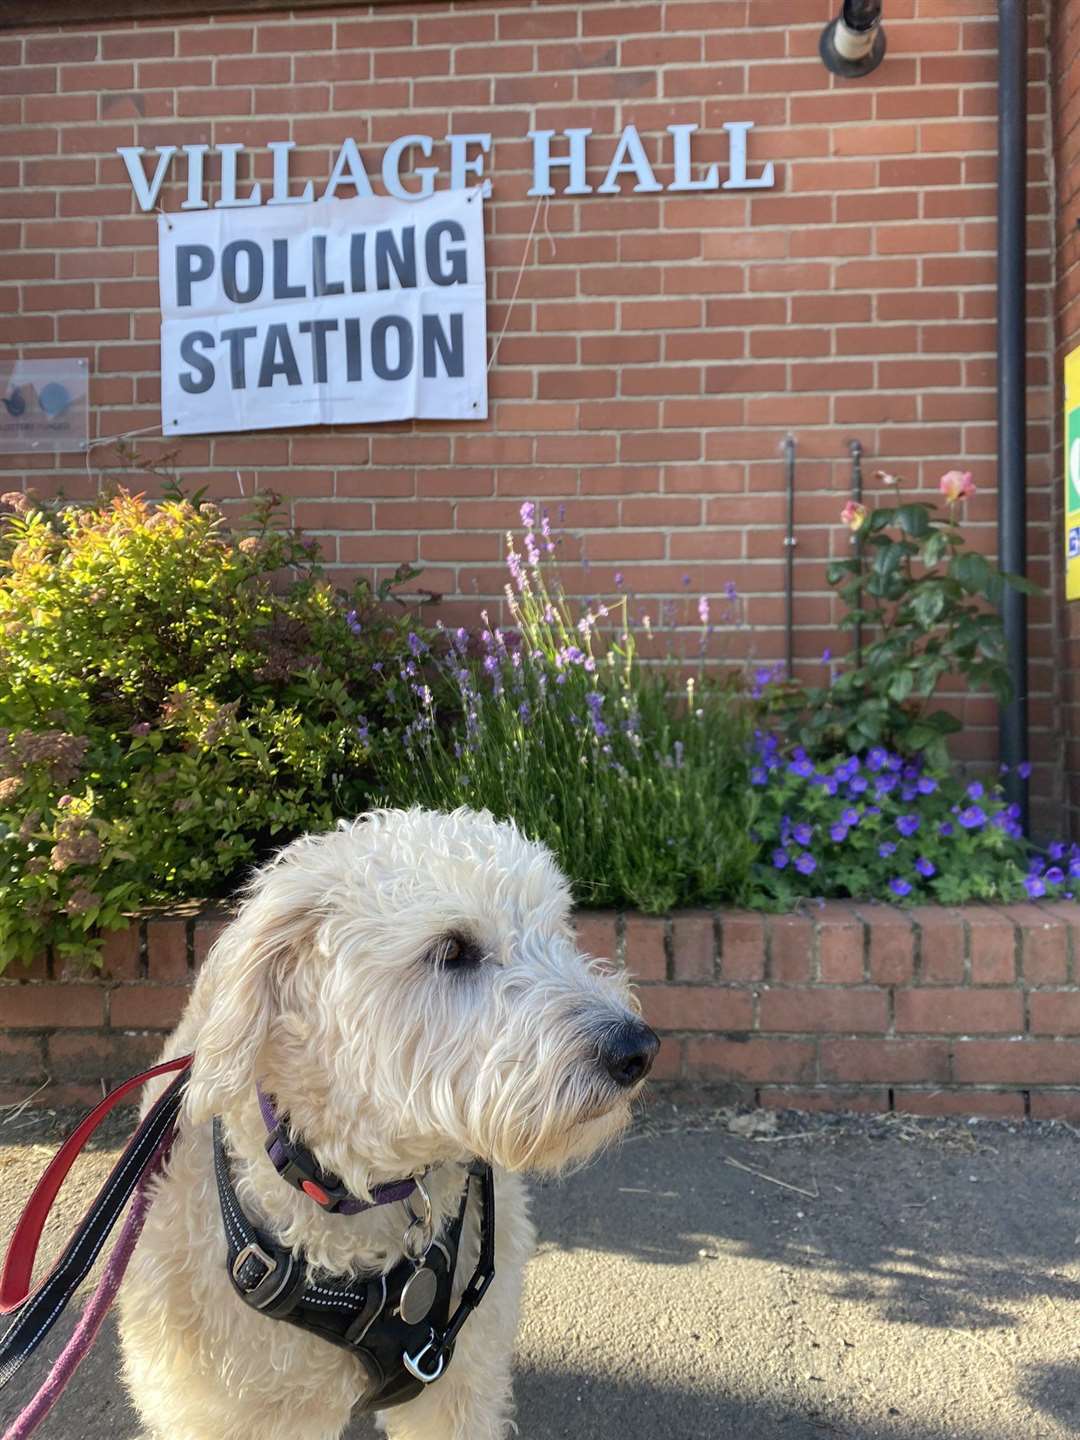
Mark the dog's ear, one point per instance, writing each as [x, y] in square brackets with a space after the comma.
[239, 985]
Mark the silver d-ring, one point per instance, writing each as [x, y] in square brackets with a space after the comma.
[424, 1217]
[416, 1241]
[412, 1364]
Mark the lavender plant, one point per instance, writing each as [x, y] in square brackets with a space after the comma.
[640, 789]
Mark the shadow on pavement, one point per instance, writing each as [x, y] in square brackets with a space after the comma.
[919, 1232]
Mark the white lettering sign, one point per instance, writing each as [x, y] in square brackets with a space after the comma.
[560, 167]
[327, 313]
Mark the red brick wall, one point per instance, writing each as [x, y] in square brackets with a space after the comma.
[1065, 50]
[659, 348]
[931, 1011]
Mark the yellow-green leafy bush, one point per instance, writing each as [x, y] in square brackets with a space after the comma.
[175, 701]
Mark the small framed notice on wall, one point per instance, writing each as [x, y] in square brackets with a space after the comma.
[43, 404]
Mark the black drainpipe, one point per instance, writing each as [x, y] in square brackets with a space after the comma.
[1012, 406]
[854, 43]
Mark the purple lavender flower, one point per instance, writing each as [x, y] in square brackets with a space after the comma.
[899, 886]
[908, 824]
[416, 645]
[973, 817]
[528, 511]
[779, 859]
[513, 564]
[925, 867]
[1035, 886]
[353, 622]
[363, 734]
[524, 712]
[595, 702]
[806, 864]
[678, 754]
[826, 656]
[618, 579]
[703, 609]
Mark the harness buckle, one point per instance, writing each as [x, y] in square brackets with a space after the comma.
[253, 1252]
[413, 1364]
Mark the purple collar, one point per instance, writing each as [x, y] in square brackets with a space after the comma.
[296, 1164]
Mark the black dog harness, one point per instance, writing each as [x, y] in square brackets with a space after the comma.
[398, 1325]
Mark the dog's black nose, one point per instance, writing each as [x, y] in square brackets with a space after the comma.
[627, 1053]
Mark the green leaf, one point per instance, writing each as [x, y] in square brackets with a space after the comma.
[914, 520]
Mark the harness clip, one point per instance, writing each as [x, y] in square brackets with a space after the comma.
[413, 1364]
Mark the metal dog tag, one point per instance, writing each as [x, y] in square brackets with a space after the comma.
[418, 1295]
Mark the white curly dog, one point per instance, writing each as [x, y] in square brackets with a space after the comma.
[409, 990]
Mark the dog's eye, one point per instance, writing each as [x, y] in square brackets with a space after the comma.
[455, 952]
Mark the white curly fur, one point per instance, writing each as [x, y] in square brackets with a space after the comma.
[324, 990]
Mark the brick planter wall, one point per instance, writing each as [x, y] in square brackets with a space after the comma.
[974, 1010]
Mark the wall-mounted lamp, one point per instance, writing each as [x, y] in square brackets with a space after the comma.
[854, 43]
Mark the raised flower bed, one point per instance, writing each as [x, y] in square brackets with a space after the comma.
[966, 1010]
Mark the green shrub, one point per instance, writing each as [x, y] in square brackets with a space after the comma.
[175, 701]
[640, 792]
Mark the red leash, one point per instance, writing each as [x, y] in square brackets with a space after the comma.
[22, 1248]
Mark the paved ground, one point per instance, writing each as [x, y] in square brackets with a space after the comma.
[916, 1282]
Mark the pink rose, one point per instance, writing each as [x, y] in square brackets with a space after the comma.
[956, 485]
[853, 515]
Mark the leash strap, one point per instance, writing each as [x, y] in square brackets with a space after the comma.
[39, 1311]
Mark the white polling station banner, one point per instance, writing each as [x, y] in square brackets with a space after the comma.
[330, 313]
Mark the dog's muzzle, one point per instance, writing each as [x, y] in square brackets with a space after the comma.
[627, 1053]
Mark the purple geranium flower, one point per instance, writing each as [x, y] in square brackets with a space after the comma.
[908, 824]
[849, 816]
[886, 848]
[838, 832]
[858, 784]
[803, 833]
[806, 864]
[1055, 875]
[1035, 886]
[925, 867]
[926, 785]
[975, 790]
[779, 859]
[1024, 770]
[945, 829]
[900, 886]
[973, 817]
